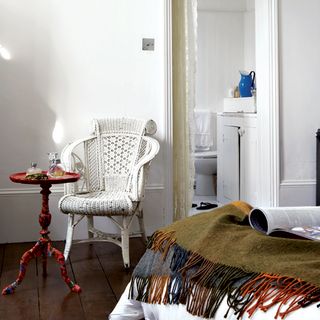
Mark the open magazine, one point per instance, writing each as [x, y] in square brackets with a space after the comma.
[303, 222]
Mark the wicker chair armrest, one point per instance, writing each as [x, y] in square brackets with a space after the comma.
[143, 163]
[66, 158]
[68, 149]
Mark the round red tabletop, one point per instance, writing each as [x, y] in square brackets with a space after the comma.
[20, 177]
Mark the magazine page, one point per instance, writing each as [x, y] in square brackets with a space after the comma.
[312, 232]
[267, 220]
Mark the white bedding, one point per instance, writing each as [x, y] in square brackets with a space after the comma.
[134, 310]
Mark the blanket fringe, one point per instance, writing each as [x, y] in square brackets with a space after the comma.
[162, 242]
[267, 290]
[201, 285]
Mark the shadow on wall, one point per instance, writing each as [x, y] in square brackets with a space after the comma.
[26, 122]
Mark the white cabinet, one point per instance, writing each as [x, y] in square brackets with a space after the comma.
[231, 164]
[237, 157]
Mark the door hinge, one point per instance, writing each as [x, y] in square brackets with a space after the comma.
[241, 132]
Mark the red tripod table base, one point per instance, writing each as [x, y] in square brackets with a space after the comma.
[43, 247]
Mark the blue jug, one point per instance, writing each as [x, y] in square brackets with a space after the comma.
[246, 83]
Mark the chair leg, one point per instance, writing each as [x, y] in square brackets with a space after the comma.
[69, 236]
[125, 243]
[90, 225]
[141, 225]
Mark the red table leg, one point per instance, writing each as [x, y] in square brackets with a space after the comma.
[43, 248]
[64, 274]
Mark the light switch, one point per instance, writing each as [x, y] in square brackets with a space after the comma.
[148, 44]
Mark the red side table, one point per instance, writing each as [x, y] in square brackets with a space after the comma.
[43, 247]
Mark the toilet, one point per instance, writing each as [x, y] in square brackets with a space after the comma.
[205, 155]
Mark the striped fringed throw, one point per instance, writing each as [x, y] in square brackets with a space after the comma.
[202, 259]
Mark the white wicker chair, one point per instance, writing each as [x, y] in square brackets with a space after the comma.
[113, 164]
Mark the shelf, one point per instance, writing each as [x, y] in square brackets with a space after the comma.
[240, 105]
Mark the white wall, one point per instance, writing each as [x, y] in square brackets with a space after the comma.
[225, 45]
[220, 56]
[249, 37]
[73, 61]
[223, 5]
[299, 34]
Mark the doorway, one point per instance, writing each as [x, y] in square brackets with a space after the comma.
[266, 45]
[225, 45]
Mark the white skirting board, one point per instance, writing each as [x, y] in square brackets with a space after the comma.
[298, 193]
[20, 208]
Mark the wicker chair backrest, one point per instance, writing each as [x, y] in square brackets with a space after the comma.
[112, 155]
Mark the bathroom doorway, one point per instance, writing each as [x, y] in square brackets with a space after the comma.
[225, 45]
[267, 66]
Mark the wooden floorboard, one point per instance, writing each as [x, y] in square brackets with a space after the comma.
[111, 260]
[2, 246]
[23, 304]
[56, 302]
[97, 268]
[97, 297]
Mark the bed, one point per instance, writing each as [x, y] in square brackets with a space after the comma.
[135, 310]
[224, 271]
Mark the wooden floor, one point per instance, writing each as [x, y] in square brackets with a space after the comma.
[97, 268]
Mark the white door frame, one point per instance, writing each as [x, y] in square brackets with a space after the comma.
[168, 116]
[267, 70]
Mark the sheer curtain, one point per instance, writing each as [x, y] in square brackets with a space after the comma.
[184, 20]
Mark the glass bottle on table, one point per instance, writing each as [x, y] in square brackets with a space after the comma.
[33, 169]
[56, 168]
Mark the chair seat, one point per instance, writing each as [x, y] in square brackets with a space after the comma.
[98, 203]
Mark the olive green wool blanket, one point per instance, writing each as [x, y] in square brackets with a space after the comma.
[202, 259]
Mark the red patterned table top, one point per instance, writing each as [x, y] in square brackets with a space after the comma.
[20, 177]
